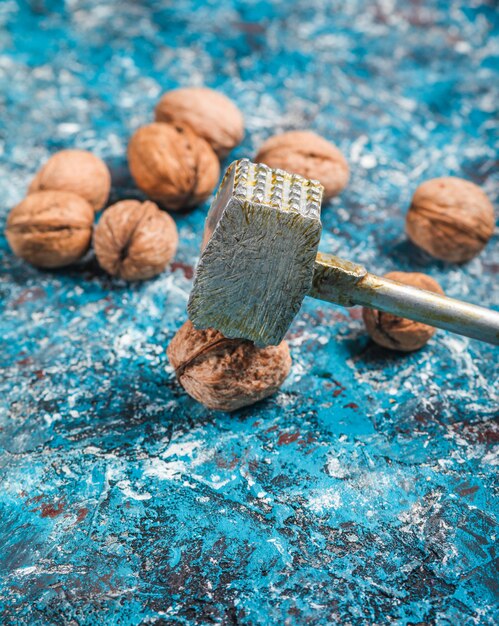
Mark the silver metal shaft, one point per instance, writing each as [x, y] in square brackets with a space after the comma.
[346, 283]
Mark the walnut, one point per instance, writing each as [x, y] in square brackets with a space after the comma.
[78, 171]
[451, 218]
[135, 240]
[50, 228]
[172, 165]
[210, 114]
[398, 333]
[306, 153]
[226, 374]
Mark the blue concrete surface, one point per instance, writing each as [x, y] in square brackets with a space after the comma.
[364, 492]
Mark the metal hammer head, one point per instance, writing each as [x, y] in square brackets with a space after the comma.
[259, 246]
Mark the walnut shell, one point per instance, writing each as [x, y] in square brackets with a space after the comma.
[451, 218]
[173, 165]
[50, 228]
[398, 333]
[210, 114]
[306, 153]
[135, 240]
[226, 374]
[78, 171]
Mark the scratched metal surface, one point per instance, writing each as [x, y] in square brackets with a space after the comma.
[363, 493]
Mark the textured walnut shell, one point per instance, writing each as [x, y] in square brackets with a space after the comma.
[306, 153]
[398, 333]
[50, 228]
[210, 114]
[173, 165]
[451, 218]
[135, 240]
[226, 374]
[78, 171]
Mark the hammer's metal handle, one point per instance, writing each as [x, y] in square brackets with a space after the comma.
[345, 283]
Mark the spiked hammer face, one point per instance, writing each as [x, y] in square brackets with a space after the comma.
[260, 242]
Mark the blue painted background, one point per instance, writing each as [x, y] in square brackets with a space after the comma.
[363, 493]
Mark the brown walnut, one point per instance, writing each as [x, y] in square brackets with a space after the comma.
[135, 240]
[398, 333]
[50, 228]
[210, 114]
[226, 374]
[450, 218]
[172, 165]
[306, 153]
[78, 171]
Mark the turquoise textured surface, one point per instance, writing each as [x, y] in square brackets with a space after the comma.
[363, 492]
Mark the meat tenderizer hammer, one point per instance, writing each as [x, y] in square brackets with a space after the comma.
[260, 259]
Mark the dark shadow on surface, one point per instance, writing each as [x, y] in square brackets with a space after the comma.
[406, 254]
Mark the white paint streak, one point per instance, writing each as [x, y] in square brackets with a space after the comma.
[128, 492]
[324, 501]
